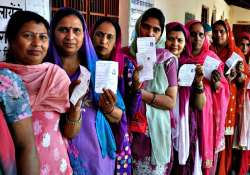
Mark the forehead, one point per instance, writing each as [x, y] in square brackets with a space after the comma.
[219, 27]
[106, 27]
[33, 26]
[176, 34]
[244, 40]
[69, 21]
[197, 27]
[154, 22]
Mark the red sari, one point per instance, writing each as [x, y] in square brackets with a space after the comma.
[225, 157]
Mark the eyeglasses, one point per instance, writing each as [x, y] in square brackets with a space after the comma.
[32, 35]
[110, 37]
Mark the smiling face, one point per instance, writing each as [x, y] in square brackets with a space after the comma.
[175, 42]
[104, 39]
[31, 44]
[69, 35]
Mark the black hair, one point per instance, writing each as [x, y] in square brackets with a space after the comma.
[176, 28]
[154, 13]
[60, 14]
[108, 20]
[219, 22]
[18, 19]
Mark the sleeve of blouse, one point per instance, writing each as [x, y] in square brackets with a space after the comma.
[14, 99]
[171, 71]
[132, 99]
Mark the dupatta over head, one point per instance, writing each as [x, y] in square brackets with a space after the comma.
[218, 100]
[104, 133]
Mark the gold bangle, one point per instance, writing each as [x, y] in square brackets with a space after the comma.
[107, 113]
[153, 99]
[73, 122]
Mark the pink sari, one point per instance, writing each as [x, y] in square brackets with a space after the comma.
[212, 118]
[47, 86]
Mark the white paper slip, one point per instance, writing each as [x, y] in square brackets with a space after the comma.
[186, 74]
[81, 89]
[248, 86]
[147, 72]
[147, 44]
[106, 76]
[210, 65]
[232, 61]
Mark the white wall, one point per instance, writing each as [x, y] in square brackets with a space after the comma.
[239, 15]
[174, 10]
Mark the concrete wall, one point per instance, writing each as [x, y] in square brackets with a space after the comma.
[124, 20]
[175, 10]
[239, 15]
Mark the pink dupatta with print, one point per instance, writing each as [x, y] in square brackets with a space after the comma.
[47, 85]
[212, 121]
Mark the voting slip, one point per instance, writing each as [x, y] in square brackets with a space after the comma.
[146, 60]
[147, 44]
[186, 74]
[81, 89]
[106, 76]
[232, 61]
[210, 65]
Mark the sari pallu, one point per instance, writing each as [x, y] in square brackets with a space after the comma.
[225, 157]
[47, 86]
[211, 138]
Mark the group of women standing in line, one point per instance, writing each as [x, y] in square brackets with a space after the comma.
[151, 127]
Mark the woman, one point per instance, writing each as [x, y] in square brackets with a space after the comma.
[106, 37]
[93, 150]
[150, 149]
[15, 113]
[47, 86]
[224, 45]
[184, 128]
[241, 138]
[211, 122]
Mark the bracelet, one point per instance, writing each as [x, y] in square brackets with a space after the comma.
[198, 90]
[73, 122]
[107, 113]
[153, 99]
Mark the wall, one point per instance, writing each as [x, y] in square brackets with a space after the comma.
[175, 10]
[124, 20]
[240, 15]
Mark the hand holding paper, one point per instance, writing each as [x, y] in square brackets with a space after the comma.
[81, 89]
[147, 72]
[106, 76]
[232, 61]
[186, 75]
[210, 65]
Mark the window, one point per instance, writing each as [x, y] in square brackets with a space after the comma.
[204, 14]
[91, 9]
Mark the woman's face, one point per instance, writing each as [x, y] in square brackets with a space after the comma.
[244, 46]
[69, 35]
[220, 35]
[151, 28]
[197, 36]
[31, 44]
[175, 42]
[104, 40]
